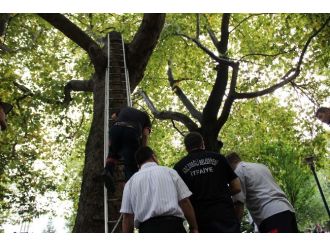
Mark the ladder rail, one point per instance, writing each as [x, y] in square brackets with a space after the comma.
[117, 223]
[106, 121]
[128, 88]
[106, 134]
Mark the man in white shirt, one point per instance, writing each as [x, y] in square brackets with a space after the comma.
[264, 199]
[155, 199]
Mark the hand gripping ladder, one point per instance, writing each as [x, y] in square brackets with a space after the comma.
[117, 93]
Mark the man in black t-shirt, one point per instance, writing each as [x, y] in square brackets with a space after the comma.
[129, 132]
[212, 182]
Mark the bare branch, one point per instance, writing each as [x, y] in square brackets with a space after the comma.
[265, 55]
[289, 76]
[169, 115]
[199, 45]
[177, 129]
[78, 36]
[244, 20]
[310, 40]
[214, 39]
[76, 85]
[177, 90]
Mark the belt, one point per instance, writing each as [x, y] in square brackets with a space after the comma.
[125, 124]
[162, 218]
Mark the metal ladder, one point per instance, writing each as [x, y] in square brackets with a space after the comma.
[117, 92]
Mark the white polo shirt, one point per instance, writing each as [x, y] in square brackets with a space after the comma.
[262, 196]
[154, 191]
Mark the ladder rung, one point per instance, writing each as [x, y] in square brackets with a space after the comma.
[122, 67]
[114, 199]
[112, 221]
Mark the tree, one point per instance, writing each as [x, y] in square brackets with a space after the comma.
[218, 61]
[267, 64]
[138, 54]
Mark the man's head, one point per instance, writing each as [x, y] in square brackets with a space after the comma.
[193, 141]
[5, 108]
[323, 114]
[233, 160]
[144, 155]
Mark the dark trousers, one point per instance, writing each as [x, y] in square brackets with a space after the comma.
[124, 141]
[216, 217]
[162, 224]
[283, 222]
[214, 226]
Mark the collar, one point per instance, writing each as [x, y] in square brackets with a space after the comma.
[148, 164]
[196, 150]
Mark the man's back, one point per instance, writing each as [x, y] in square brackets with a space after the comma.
[155, 191]
[263, 197]
[135, 117]
[207, 175]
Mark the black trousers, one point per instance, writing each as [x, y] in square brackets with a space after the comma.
[162, 224]
[124, 141]
[283, 222]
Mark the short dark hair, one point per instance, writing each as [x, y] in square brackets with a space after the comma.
[322, 110]
[143, 154]
[233, 158]
[193, 140]
[5, 106]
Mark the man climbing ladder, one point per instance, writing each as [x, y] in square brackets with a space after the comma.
[129, 132]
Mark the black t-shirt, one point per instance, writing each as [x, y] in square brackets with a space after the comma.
[135, 117]
[207, 175]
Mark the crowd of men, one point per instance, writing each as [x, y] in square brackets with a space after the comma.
[206, 188]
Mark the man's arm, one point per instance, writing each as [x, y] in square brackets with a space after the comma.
[189, 213]
[235, 186]
[145, 136]
[239, 210]
[128, 223]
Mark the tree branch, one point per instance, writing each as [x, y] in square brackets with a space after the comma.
[177, 90]
[290, 75]
[265, 55]
[215, 99]
[76, 85]
[214, 39]
[230, 99]
[78, 36]
[245, 19]
[142, 46]
[223, 44]
[169, 115]
[224, 61]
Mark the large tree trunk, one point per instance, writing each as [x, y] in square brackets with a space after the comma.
[90, 215]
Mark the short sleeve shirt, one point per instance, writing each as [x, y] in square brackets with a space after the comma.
[261, 194]
[154, 191]
[207, 175]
